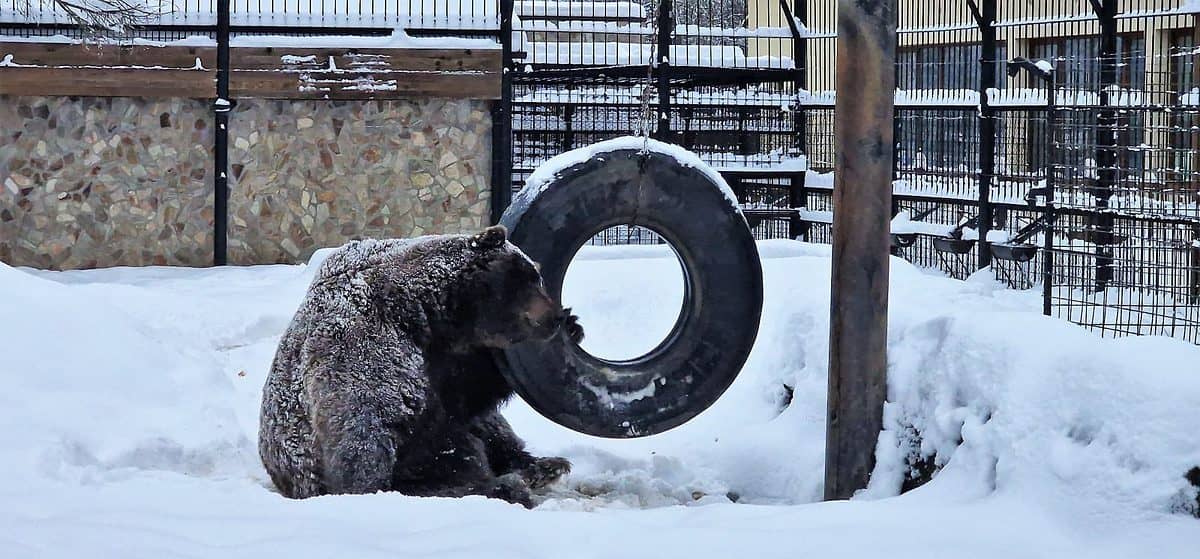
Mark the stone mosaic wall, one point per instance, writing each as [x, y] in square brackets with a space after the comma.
[88, 182]
[94, 182]
[311, 174]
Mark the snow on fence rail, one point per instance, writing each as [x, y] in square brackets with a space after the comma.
[613, 53]
[440, 14]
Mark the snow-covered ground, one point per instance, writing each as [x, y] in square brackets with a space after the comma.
[129, 407]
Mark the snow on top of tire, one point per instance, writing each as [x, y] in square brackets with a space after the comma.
[541, 177]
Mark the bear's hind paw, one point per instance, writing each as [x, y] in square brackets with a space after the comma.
[512, 488]
[544, 471]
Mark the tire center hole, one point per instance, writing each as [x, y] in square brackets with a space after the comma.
[626, 285]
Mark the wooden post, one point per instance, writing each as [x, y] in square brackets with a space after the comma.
[862, 199]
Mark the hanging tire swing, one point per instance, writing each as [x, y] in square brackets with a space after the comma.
[633, 181]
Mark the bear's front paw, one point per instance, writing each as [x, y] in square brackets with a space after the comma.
[570, 325]
[514, 489]
[544, 471]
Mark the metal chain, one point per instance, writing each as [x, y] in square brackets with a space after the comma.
[647, 118]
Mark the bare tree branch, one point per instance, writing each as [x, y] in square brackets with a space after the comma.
[104, 18]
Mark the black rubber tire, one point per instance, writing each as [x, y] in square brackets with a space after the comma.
[722, 301]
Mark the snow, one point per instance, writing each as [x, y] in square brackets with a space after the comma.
[398, 39]
[1117, 97]
[131, 399]
[638, 28]
[541, 177]
[632, 95]
[435, 14]
[615, 53]
[564, 9]
[1191, 98]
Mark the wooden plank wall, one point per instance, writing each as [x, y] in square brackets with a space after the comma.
[262, 72]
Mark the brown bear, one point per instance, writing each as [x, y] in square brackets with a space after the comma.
[385, 378]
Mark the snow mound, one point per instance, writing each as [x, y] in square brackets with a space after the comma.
[130, 411]
[93, 392]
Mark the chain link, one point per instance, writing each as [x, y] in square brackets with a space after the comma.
[647, 118]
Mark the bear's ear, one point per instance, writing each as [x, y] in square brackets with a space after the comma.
[491, 237]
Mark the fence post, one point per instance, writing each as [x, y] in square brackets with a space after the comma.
[662, 69]
[866, 72]
[797, 193]
[897, 138]
[502, 120]
[986, 18]
[568, 138]
[221, 108]
[1195, 295]
[1049, 214]
[1106, 141]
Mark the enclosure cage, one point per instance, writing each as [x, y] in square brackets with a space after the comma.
[1054, 145]
[1008, 119]
[719, 78]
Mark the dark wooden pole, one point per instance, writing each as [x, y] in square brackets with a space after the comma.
[862, 200]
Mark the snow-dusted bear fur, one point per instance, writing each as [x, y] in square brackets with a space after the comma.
[385, 379]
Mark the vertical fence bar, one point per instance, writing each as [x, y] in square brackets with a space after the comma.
[1195, 254]
[986, 19]
[866, 53]
[797, 193]
[1049, 214]
[221, 108]
[502, 159]
[662, 70]
[1106, 142]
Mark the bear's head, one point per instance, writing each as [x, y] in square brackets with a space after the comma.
[501, 298]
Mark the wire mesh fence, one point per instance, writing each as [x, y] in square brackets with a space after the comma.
[1054, 144]
[1051, 143]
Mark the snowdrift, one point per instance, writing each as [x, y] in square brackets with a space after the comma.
[130, 405]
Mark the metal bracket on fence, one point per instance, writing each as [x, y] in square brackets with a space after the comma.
[1032, 195]
[1033, 228]
[1021, 63]
[975, 13]
[791, 20]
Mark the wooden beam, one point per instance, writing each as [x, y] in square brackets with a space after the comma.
[430, 60]
[262, 72]
[862, 198]
[268, 84]
[106, 82]
[67, 54]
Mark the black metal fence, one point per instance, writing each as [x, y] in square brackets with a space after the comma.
[719, 77]
[1050, 143]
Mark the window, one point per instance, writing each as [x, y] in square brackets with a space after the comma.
[934, 141]
[943, 66]
[1077, 60]
[1185, 87]
[1077, 68]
